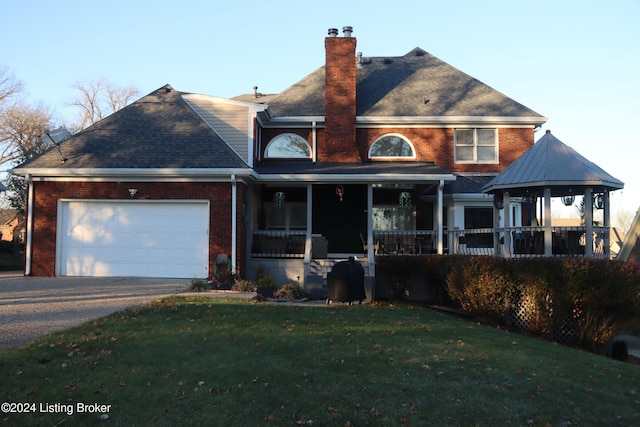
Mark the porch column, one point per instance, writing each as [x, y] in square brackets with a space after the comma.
[439, 221]
[370, 243]
[308, 237]
[496, 227]
[588, 222]
[548, 232]
[606, 223]
[506, 206]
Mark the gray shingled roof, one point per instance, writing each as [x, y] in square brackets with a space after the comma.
[416, 85]
[551, 163]
[158, 131]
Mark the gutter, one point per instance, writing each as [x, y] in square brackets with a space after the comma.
[29, 245]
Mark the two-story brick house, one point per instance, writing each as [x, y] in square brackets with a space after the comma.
[364, 156]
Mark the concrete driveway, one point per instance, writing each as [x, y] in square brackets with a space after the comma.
[31, 307]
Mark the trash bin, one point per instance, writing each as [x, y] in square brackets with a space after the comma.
[345, 282]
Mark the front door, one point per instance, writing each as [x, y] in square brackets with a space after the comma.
[341, 218]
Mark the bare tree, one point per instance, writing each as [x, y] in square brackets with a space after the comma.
[9, 86]
[97, 98]
[22, 132]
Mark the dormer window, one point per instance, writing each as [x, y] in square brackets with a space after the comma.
[392, 147]
[288, 146]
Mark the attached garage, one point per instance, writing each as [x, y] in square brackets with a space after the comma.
[138, 238]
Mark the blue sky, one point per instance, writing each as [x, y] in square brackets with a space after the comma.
[575, 62]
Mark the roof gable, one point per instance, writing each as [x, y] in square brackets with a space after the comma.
[158, 131]
[417, 84]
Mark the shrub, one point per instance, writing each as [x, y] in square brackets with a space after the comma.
[482, 286]
[290, 292]
[266, 281]
[607, 298]
[242, 285]
[199, 285]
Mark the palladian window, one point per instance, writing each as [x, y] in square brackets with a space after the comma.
[288, 146]
[392, 146]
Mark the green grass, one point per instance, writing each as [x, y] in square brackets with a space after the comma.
[197, 361]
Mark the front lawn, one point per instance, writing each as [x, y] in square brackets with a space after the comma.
[198, 361]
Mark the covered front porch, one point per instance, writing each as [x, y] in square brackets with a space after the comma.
[304, 217]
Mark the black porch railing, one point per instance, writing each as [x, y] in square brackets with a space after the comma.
[278, 244]
[523, 241]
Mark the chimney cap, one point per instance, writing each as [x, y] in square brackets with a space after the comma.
[333, 32]
[347, 31]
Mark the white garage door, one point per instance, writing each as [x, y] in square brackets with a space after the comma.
[133, 238]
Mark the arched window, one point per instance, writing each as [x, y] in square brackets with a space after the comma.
[392, 146]
[288, 146]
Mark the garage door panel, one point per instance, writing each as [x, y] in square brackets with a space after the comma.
[142, 238]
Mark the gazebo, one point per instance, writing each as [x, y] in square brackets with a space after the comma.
[552, 169]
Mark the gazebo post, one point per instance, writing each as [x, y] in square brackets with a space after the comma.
[548, 233]
[606, 219]
[588, 222]
[506, 202]
[496, 232]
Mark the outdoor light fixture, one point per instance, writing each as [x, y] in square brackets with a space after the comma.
[278, 199]
[568, 200]
[598, 201]
[405, 199]
[340, 192]
[498, 203]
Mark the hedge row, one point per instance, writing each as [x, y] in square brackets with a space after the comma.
[600, 298]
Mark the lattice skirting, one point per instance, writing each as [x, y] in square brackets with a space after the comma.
[524, 315]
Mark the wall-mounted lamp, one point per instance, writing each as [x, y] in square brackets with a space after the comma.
[405, 199]
[498, 202]
[598, 201]
[133, 192]
[279, 199]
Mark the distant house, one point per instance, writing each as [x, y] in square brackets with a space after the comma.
[365, 156]
[630, 251]
[12, 226]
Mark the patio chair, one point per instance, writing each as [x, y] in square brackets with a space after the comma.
[365, 246]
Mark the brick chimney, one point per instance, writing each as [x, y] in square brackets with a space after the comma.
[340, 99]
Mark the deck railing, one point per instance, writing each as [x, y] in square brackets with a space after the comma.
[523, 241]
[278, 244]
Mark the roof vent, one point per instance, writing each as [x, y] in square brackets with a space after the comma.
[420, 52]
[387, 60]
[333, 32]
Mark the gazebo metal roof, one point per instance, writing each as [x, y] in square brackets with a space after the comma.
[549, 163]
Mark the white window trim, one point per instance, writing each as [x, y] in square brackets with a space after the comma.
[404, 138]
[475, 160]
[275, 138]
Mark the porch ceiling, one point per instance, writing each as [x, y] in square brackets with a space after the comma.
[375, 172]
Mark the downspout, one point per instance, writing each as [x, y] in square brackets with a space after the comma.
[234, 222]
[29, 248]
[439, 219]
[314, 138]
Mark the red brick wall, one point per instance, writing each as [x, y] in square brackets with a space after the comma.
[47, 194]
[437, 145]
[339, 144]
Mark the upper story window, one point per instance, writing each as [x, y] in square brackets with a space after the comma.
[288, 146]
[476, 146]
[390, 147]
